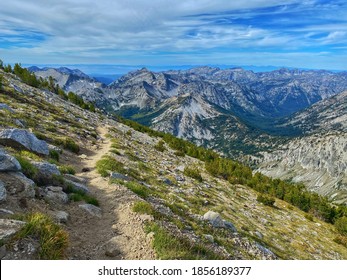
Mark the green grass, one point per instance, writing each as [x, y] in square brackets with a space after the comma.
[170, 247]
[193, 173]
[140, 190]
[71, 145]
[54, 155]
[67, 169]
[143, 207]
[28, 168]
[52, 238]
[79, 195]
[108, 164]
[160, 146]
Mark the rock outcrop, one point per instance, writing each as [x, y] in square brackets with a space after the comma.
[23, 139]
[8, 162]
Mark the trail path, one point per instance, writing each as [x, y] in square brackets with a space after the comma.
[119, 233]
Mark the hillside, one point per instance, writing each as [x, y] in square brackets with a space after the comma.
[319, 157]
[141, 194]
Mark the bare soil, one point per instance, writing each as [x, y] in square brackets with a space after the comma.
[119, 233]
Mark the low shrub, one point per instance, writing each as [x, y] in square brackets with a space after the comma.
[193, 173]
[140, 190]
[341, 225]
[266, 199]
[53, 154]
[160, 146]
[71, 145]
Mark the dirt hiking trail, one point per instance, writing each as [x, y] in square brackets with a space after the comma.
[118, 233]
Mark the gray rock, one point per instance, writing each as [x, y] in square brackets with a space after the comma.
[75, 178]
[8, 162]
[91, 209]
[19, 123]
[61, 216]
[22, 185]
[115, 175]
[5, 211]
[23, 139]
[54, 148]
[229, 226]
[209, 238]
[167, 182]
[112, 252]
[3, 192]
[6, 107]
[3, 252]
[8, 228]
[78, 186]
[46, 172]
[56, 194]
[267, 254]
[214, 219]
[259, 235]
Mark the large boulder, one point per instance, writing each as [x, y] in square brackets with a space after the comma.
[77, 186]
[56, 194]
[45, 172]
[23, 139]
[17, 183]
[8, 163]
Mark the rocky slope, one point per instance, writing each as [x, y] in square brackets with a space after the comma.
[198, 217]
[319, 157]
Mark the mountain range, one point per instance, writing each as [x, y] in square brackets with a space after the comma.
[262, 119]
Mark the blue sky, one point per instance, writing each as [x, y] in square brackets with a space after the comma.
[304, 34]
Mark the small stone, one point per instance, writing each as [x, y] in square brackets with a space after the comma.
[61, 216]
[77, 186]
[259, 235]
[112, 252]
[214, 219]
[209, 238]
[3, 192]
[115, 175]
[229, 226]
[92, 209]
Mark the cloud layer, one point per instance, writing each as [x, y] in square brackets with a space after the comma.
[258, 32]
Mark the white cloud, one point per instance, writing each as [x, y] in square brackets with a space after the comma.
[128, 30]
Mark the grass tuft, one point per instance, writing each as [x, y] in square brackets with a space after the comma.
[143, 207]
[108, 164]
[52, 238]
